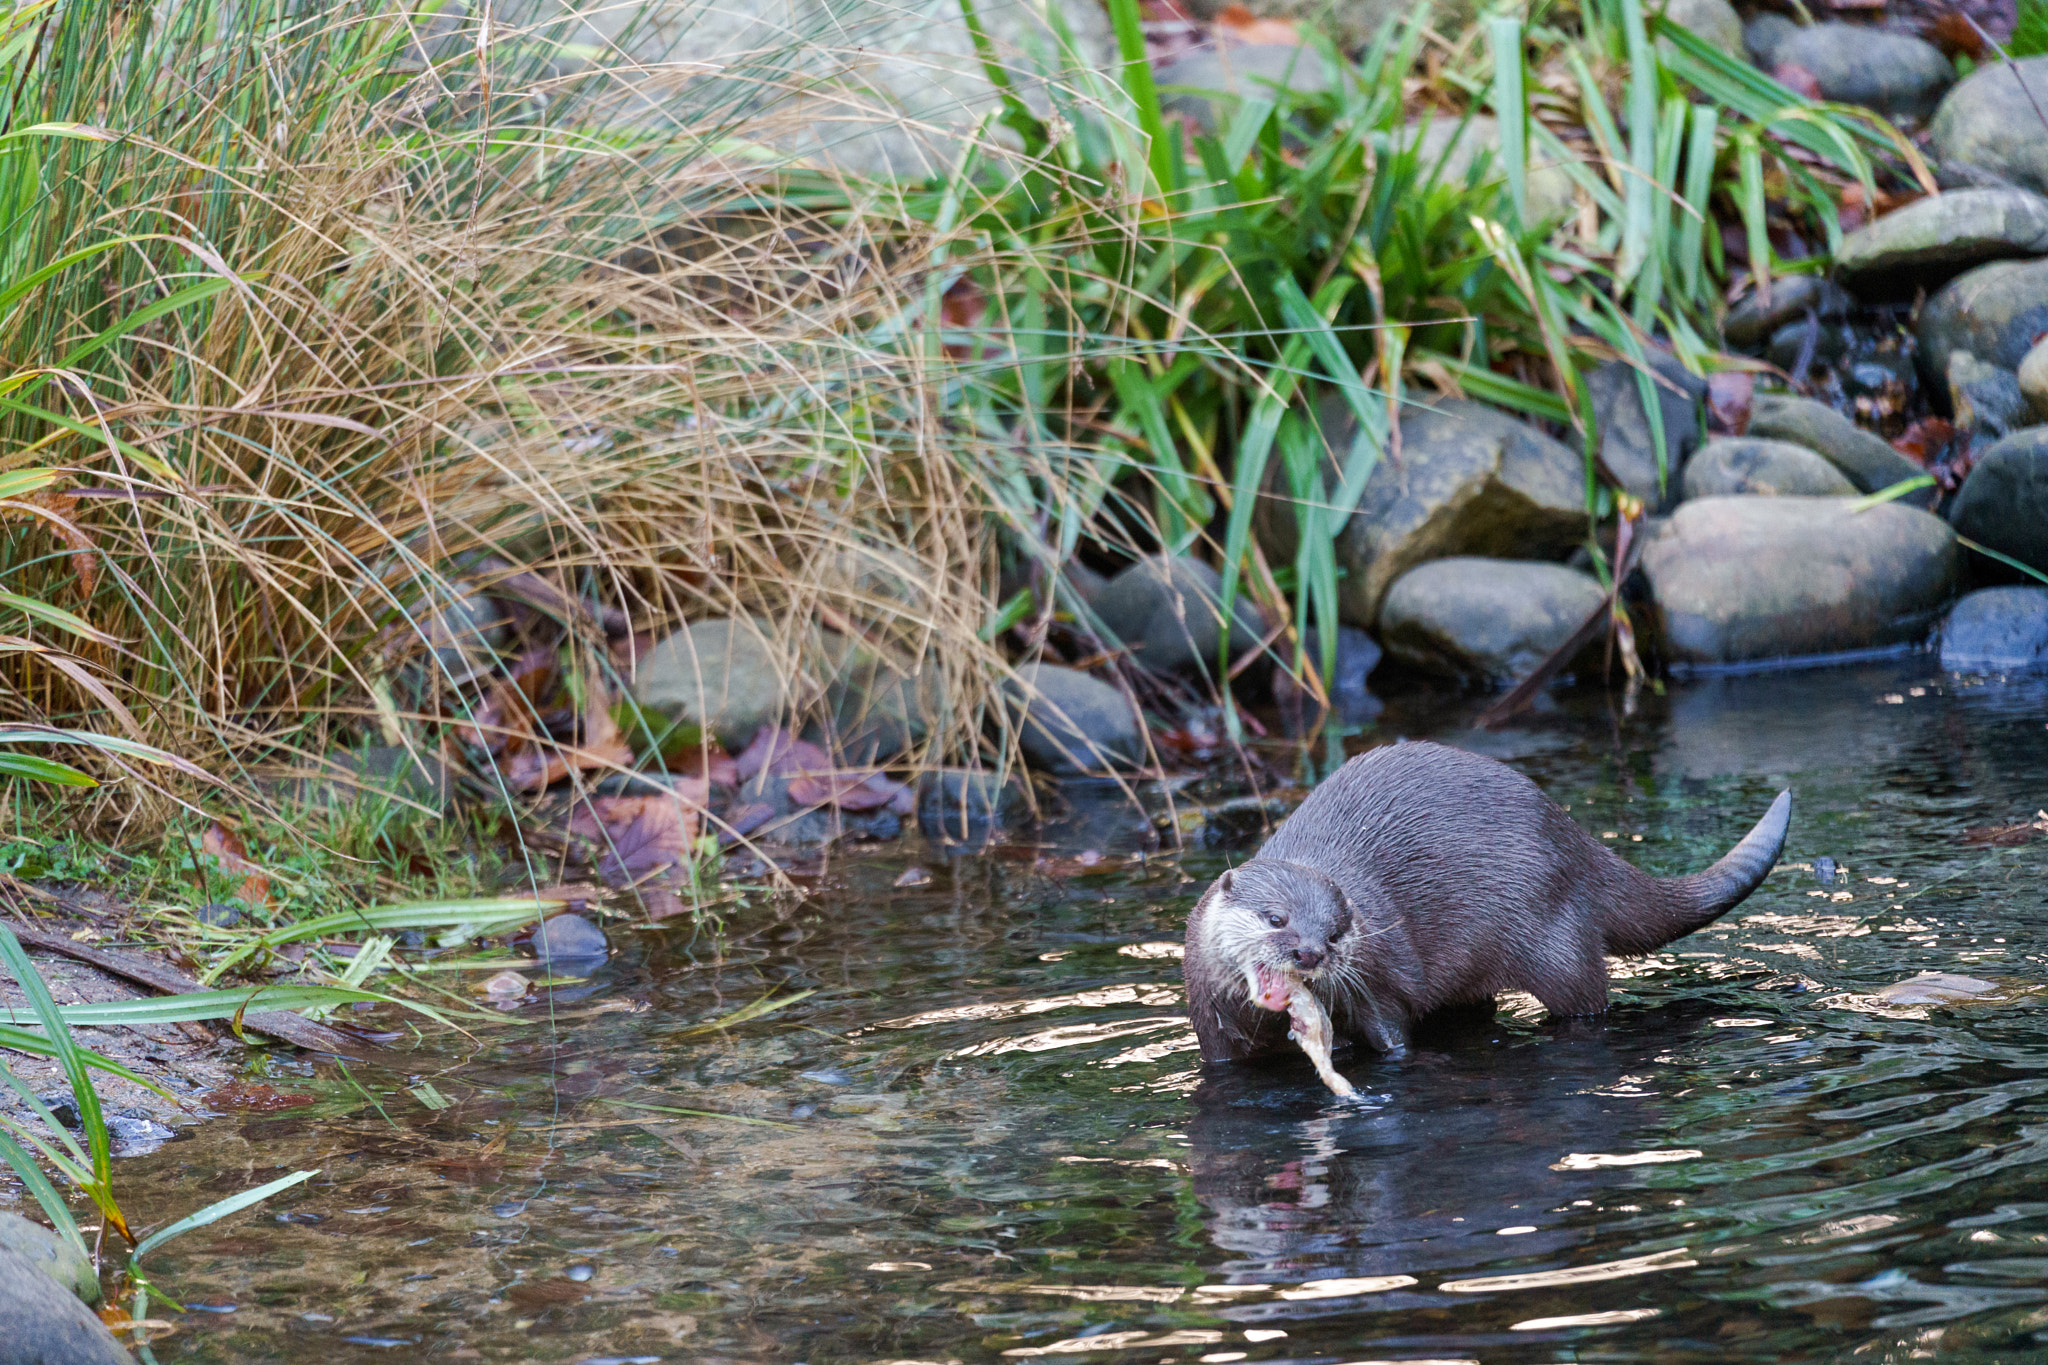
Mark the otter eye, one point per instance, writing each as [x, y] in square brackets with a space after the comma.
[1277, 921]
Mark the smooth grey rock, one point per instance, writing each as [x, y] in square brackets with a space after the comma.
[1168, 611]
[1937, 988]
[1869, 462]
[1072, 723]
[1822, 343]
[1741, 579]
[1484, 621]
[218, 915]
[1893, 73]
[1208, 84]
[1990, 122]
[1994, 311]
[1733, 466]
[1470, 481]
[382, 771]
[1997, 630]
[1351, 700]
[1751, 322]
[2003, 505]
[565, 939]
[44, 1323]
[1714, 21]
[876, 89]
[725, 676]
[1931, 240]
[2033, 380]
[968, 805]
[50, 1254]
[1626, 445]
[1984, 398]
[1450, 147]
[873, 710]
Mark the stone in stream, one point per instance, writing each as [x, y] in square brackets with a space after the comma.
[1168, 611]
[1996, 312]
[1627, 446]
[967, 805]
[1486, 622]
[1470, 481]
[1215, 80]
[1938, 988]
[1997, 630]
[2003, 505]
[1931, 240]
[51, 1254]
[1822, 343]
[1736, 580]
[1985, 399]
[2033, 380]
[1869, 462]
[1897, 75]
[1073, 723]
[724, 675]
[1993, 122]
[570, 940]
[43, 1323]
[873, 710]
[1752, 322]
[1730, 466]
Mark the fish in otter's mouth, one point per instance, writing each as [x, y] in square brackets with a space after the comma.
[1308, 1023]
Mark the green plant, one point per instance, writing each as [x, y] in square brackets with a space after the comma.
[2029, 30]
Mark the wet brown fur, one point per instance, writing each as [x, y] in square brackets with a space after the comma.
[1419, 878]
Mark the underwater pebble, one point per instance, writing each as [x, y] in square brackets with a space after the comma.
[826, 1076]
[509, 1209]
[1936, 988]
[505, 986]
[581, 1273]
[914, 876]
[569, 936]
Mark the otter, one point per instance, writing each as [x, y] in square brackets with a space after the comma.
[1419, 878]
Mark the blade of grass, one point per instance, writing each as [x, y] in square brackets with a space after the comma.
[218, 1210]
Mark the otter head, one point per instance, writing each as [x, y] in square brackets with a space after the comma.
[1276, 923]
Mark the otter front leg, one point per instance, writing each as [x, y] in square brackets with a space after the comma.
[1379, 1029]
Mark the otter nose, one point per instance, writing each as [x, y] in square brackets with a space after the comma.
[1308, 959]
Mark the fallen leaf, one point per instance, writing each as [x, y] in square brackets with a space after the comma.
[547, 1293]
[536, 766]
[851, 791]
[1955, 35]
[1730, 394]
[1924, 441]
[744, 819]
[1797, 79]
[779, 752]
[1241, 25]
[637, 837]
[227, 849]
[255, 1099]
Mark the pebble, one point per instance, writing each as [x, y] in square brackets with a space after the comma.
[1931, 240]
[1756, 466]
[1937, 988]
[562, 937]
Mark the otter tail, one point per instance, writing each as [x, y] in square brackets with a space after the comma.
[1692, 902]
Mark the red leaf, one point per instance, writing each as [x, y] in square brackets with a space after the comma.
[537, 766]
[1797, 79]
[1924, 441]
[778, 751]
[1238, 23]
[1729, 395]
[848, 791]
[227, 849]
[640, 836]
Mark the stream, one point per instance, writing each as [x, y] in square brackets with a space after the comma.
[979, 1132]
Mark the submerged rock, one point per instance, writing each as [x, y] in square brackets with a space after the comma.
[967, 806]
[1168, 611]
[722, 674]
[1736, 580]
[1990, 121]
[1997, 630]
[50, 1254]
[43, 1323]
[1470, 481]
[1893, 73]
[1073, 723]
[2004, 503]
[1627, 445]
[570, 940]
[1995, 312]
[1748, 465]
[1937, 988]
[1934, 239]
[1869, 462]
[1484, 621]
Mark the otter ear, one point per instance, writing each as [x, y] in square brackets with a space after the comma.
[1223, 883]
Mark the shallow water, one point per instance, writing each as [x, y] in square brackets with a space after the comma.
[984, 1135]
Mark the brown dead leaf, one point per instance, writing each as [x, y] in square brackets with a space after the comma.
[780, 752]
[1240, 25]
[255, 1099]
[1797, 79]
[2009, 836]
[226, 848]
[1925, 440]
[535, 766]
[637, 837]
[547, 1293]
[1729, 396]
[56, 508]
[850, 791]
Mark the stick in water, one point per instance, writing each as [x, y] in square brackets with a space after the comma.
[1309, 1025]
